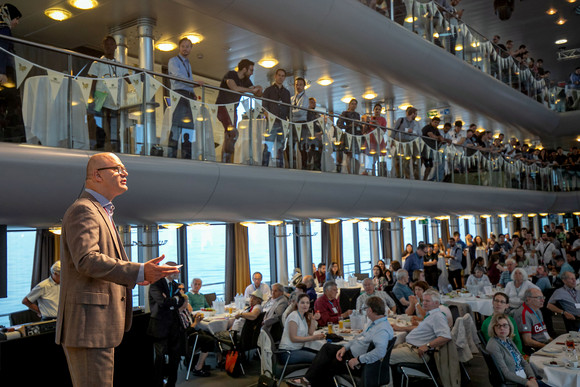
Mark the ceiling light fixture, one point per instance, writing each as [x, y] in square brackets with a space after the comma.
[325, 81]
[331, 221]
[57, 14]
[268, 63]
[83, 4]
[458, 47]
[543, 214]
[561, 21]
[274, 222]
[561, 41]
[369, 95]
[193, 37]
[166, 46]
[247, 224]
[55, 230]
[551, 11]
[353, 220]
[346, 99]
[172, 226]
[376, 219]
[405, 106]
[518, 215]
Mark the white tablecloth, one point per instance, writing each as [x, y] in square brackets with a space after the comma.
[481, 305]
[317, 344]
[555, 376]
[46, 118]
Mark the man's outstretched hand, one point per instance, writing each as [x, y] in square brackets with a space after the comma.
[154, 272]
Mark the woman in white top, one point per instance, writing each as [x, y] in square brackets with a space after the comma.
[517, 287]
[477, 281]
[299, 329]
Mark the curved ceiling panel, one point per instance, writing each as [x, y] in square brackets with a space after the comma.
[40, 183]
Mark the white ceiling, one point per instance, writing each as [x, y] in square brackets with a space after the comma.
[225, 45]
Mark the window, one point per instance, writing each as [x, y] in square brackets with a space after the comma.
[20, 246]
[347, 249]
[407, 233]
[259, 250]
[206, 257]
[167, 243]
[316, 242]
[364, 238]
[290, 249]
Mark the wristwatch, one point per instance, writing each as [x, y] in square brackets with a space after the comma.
[429, 346]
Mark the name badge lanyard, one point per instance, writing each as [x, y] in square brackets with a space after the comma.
[186, 67]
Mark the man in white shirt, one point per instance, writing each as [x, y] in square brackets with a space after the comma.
[43, 298]
[276, 305]
[257, 285]
[546, 250]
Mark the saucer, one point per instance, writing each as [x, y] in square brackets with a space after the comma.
[558, 364]
[572, 368]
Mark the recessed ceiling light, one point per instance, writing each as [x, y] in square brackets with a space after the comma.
[405, 106]
[166, 46]
[551, 11]
[369, 95]
[458, 47]
[193, 37]
[57, 14]
[571, 1]
[410, 19]
[561, 21]
[346, 99]
[561, 41]
[268, 63]
[325, 81]
[83, 4]
[417, 118]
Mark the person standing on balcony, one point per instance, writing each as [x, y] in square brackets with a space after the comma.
[277, 92]
[103, 105]
[299, 104]
[406, 130]
[349, 123]
[239, 82]
[179, 66]
[10, 19]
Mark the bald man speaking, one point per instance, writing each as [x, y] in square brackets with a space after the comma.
[95, 306]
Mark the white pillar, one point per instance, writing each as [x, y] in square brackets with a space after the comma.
[281, 254]
[537, 232]
[396, 238]
[510, 224]
[479, 228]
[495, 225]
[305, 240]
[146, 61]
[374, 231]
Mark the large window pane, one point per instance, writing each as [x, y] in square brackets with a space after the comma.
[259, 249]
[407, 232]
[290, 249]
[206, 257]
[168, 243]
[347, 249]
[364, 247]
[20, 249]
[316, 242]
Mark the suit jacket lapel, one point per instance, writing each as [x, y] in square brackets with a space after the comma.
[112, 230]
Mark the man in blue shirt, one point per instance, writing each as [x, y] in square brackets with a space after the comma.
[543, 281]
[401, 290]
[331, 358]
[415, 260]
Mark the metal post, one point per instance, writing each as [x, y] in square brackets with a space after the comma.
[281, 254]
[123, 117]
[146, 61]
[396, 238]
[305, 238]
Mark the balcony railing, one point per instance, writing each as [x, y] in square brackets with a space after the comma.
[438, 26]
[137, 113]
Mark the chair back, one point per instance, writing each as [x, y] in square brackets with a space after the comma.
[361, 276]
[347, 298]
[23, 317]
[248, 337]
[454, 312]
[211, 297]
[495, 376]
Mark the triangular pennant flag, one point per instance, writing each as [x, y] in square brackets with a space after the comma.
[271, 120]
[55, 78]
[135, 80]
[298, 130]
[152, 86]
[285, 127]
[257, 109]
[231, 108]
[112, 84]
[195, 109]
[23, 67]
[321, 121]
[310, 126]
[358, 140]
[213, 110]
[85, 87]
[246, 105]
[175, 97]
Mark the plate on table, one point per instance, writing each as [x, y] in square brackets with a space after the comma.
[554, 363]
[552, 350]
[570, 367]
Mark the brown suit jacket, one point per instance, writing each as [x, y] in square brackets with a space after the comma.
[95, 307]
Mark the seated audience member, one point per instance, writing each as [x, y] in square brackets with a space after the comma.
[500, 303]
[333, 273]
[493, 269]
[328, 305]
[478, 280]
[251, 313]
[331, 359]
[569, 299]
[293, 301]
[520, 257]
[415, 260]
[401, 290]
[298, 329]
[543, 282]
[382, 265]
[562, 266]
[257, 285]
[205, 342]
[196, 299]
[517, 287]
[43, 298]
[308, 281]
[415, 307]
[432, 332]
[479, 262]
[530, 321]
[511, 363]
[506, 275]
[379, 280]
[369, 290]
[320, 274]
[275, 306]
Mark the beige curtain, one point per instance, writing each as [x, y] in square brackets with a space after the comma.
[237, 260]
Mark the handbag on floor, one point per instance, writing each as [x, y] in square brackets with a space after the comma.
[266, 380]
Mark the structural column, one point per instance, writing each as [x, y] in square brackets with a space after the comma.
[479, 228]
[536, 222]
[281, 254]
[396, 238]
[494, 221]
[374, 237]
[435, 230]
[146, 61]
[305, 245]
[121, 56]
[510, 224]
[148, 248]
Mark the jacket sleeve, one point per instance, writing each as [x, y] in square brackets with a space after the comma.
[499, 354]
